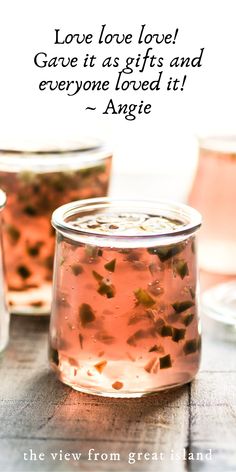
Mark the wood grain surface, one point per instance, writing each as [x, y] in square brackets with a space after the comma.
[40, 414]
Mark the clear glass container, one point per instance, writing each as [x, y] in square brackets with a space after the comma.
[125, 299]
[213, 193]
[4, 315]
[37, 182]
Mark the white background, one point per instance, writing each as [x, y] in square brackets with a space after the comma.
[159, 144]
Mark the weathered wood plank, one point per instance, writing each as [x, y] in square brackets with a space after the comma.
[40, 413]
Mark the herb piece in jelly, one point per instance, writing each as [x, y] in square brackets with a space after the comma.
[165, 362]
[143, 298]
[100, 366]
[97, 276]
[181, 267]
[105, 338]
[187, 319]
[190, 346]
[107, 289]
[53, 355]
[77, 269]
[166, 252]
[29, 210]
[139, 335]
[91, 251]
[165, 331]
[105, 286]
[192, 292]
[81, 340]
[117, 385]
[86, 314]
[13, 232]
[156, 348]
[23, 271]
[150, 364]
[178, 334]
[34, 250]
[110, 266]
[100, 252]
[179, 307]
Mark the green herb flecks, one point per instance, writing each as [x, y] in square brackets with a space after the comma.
[143, 298]
[105, 338]
[179, 307]
[29, 210]
[86, 314]
[190, 346]
[166, 252]
[91, 251]
[165, 331]
[187, 319]
[165, 362]
[181, 267]
[107, 289]
[178, 334]
[110, 266]
[156, 348]
[192, 292]
[97, 276]
[77, 269]
[81, 340]
[13, 232]
[34, 250]
[23, 271]
[139, 335]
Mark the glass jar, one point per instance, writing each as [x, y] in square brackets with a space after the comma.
[125, 299]
[213, 193]
[36, 183]
[4, 315]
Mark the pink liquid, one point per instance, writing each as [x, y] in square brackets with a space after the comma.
[28, 234]
[124, 320]
[214, 195]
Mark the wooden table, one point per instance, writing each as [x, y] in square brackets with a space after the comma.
[40, 414]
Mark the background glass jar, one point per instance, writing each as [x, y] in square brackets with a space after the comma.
[36, 183]
[4, 315]
[124, 315]
[213, 193]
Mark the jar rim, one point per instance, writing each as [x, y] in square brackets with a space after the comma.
[48, 161]
[224, 143]
[193, 219]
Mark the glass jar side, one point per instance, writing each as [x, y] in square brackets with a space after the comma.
[125, 319]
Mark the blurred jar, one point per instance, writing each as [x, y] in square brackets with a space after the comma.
[4, 315]
[213, 193]
[36, 183]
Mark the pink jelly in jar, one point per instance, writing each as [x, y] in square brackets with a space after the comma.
[125, 299]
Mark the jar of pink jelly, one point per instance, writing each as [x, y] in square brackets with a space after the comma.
[125, 299]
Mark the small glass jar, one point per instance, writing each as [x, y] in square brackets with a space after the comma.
[213, 193]
[4, 315]
[125, 300]
[37, 182]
